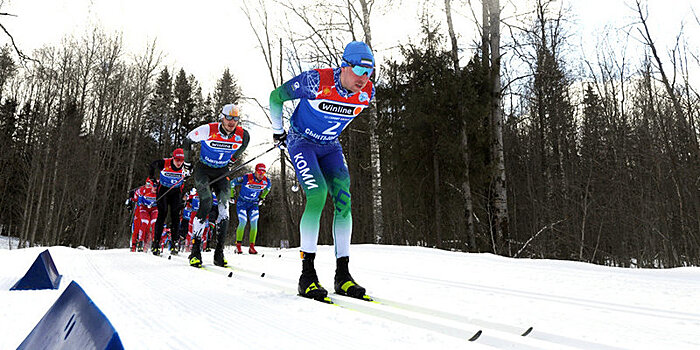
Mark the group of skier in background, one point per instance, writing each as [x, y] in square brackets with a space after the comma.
[329, 99]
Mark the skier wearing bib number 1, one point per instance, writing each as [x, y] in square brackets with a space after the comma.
[329, 100]
[220, 145]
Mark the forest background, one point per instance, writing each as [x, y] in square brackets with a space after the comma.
[499, 126]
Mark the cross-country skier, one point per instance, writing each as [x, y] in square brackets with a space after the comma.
[220, 144]
[145, 215]
[170, 180]
[254, 187]
[188, 198]
[329, 100]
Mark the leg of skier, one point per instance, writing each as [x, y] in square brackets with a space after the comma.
[310, 177]
[201, 181]
[338, 178]
[174, 199]
[254, 215]
[242, 221]
[223, 192]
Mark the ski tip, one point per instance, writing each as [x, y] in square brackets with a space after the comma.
[367, 298]
[230, 274]
[475, 336]
[262, 256]
[169, 257]
[526, 332]
[263, 275]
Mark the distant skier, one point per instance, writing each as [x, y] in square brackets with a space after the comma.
[145, 215]
[165, 238]
[329, 100]
[254, 187]
[170, 180]
[220, 144]
[188, 198]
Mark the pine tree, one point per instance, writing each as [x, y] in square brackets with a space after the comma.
[7, 68]
[183, 107]
[160, 113]
[227, 90]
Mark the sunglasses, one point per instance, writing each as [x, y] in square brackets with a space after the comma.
[360, 70]
[230, 117]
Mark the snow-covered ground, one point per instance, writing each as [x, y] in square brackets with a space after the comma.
[8, 242]
[428, 299]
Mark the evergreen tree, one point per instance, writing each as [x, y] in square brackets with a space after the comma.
[420, 152]
[7, 68]
[227, 91]
[183, 107]
[160, 113]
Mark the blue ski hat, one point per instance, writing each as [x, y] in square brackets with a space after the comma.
[357, 53]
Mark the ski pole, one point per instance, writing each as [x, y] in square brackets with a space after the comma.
[171, 187]
[240, 166]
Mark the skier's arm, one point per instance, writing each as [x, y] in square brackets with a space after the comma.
[236, 182]
[303, 85]
[264, 192]
[240, 150]
[194, 137]
[155, 167]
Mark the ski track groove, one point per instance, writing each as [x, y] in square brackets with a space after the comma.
[127, 299]
[495, 335]
[639, 310]
[268, 319]
[487, 325]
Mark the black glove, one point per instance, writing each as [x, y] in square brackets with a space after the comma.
[129, 204]
[280, 139]
[260, 201]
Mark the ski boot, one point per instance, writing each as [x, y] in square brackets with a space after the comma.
[133, 247]
[238, 248]
[139, 247]
[309, 287]
[252, 250]
[174, 250]
[344, 284]
[219, 259]
[155, 248]
[196, 255]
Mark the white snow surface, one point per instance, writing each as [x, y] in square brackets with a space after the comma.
[428, 299]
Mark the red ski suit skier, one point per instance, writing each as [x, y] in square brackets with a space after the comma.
[145, 214]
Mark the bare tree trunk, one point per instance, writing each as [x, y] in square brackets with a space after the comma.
[46, 238]
[32, 237]
[436, 200]
[146, 66]
[28, 204]
[499, 198]
[60, 214]
[375, 157]
[466, 186]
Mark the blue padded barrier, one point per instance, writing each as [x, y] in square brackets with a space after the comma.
[41, 275]
[73, 322]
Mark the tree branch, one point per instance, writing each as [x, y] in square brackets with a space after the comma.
[12, 39]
